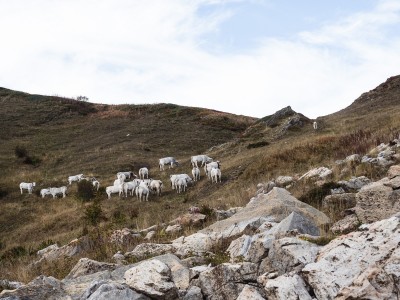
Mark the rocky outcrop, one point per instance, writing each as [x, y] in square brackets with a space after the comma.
[348, 224]
[360, 262]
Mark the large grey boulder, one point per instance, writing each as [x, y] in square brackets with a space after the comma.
[339, 202]
[103, 290]
[274, 206]
[346, 265]
[287, 287]
[377, 201]
[393, 171]
[87, 266]
[40, 288]
[152, 278]
[226, 280]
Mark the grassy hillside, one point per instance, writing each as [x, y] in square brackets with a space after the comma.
[67, 137]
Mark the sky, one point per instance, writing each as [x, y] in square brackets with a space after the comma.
[249, 57]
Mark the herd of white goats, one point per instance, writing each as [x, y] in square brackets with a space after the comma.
[142, 186]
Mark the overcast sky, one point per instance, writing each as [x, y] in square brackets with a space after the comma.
[249, 57]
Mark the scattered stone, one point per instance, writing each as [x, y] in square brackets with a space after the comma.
[265, 188]
[393, 171]
[339, 202]
[192, 219]
[10, 285]
[40, 288]
[152, 278]
[354, 158]
[103, 290]
[150, 235]
[355, 183]
[173, 229]
[224, 214]
[337, 191]
[283, 181]
[287, 287]
[377, 201]
[249, 292]
[119, 258]
[316, 174]
[145, 250]
[348, 224]
[194, 293]
[291, 255]
[194, 210]
[226, 280]
[87, 266]
[124, 237]
[195, 244]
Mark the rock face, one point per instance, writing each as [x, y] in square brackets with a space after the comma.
[377, 201]
[87, 266]
[195, 244]
[346, 225]
[250, 293]
[359, 263]
[152, 278]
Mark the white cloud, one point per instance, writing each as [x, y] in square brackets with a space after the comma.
[153, 51]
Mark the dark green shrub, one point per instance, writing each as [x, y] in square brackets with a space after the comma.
[3, 193]
[85, 190]
[20, 151]
[257, 145]
[94, 213]
[14, 252]
[32, 160]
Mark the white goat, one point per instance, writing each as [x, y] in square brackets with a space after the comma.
[180, 184]
[114, 189]
[44, 192]
[121, 177]
[77, 178]
[128, 174]
[96, 184]
[176, 176]
[215, 174]
[58, 190]
[208, 167]
[200, 158]
[156, 186]
[131, 186]
[196, 173]
[143, 172]
[171, 161]
[315, 125]
[27, 186]
[143, 192]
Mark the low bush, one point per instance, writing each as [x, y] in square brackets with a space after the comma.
[85, 190]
